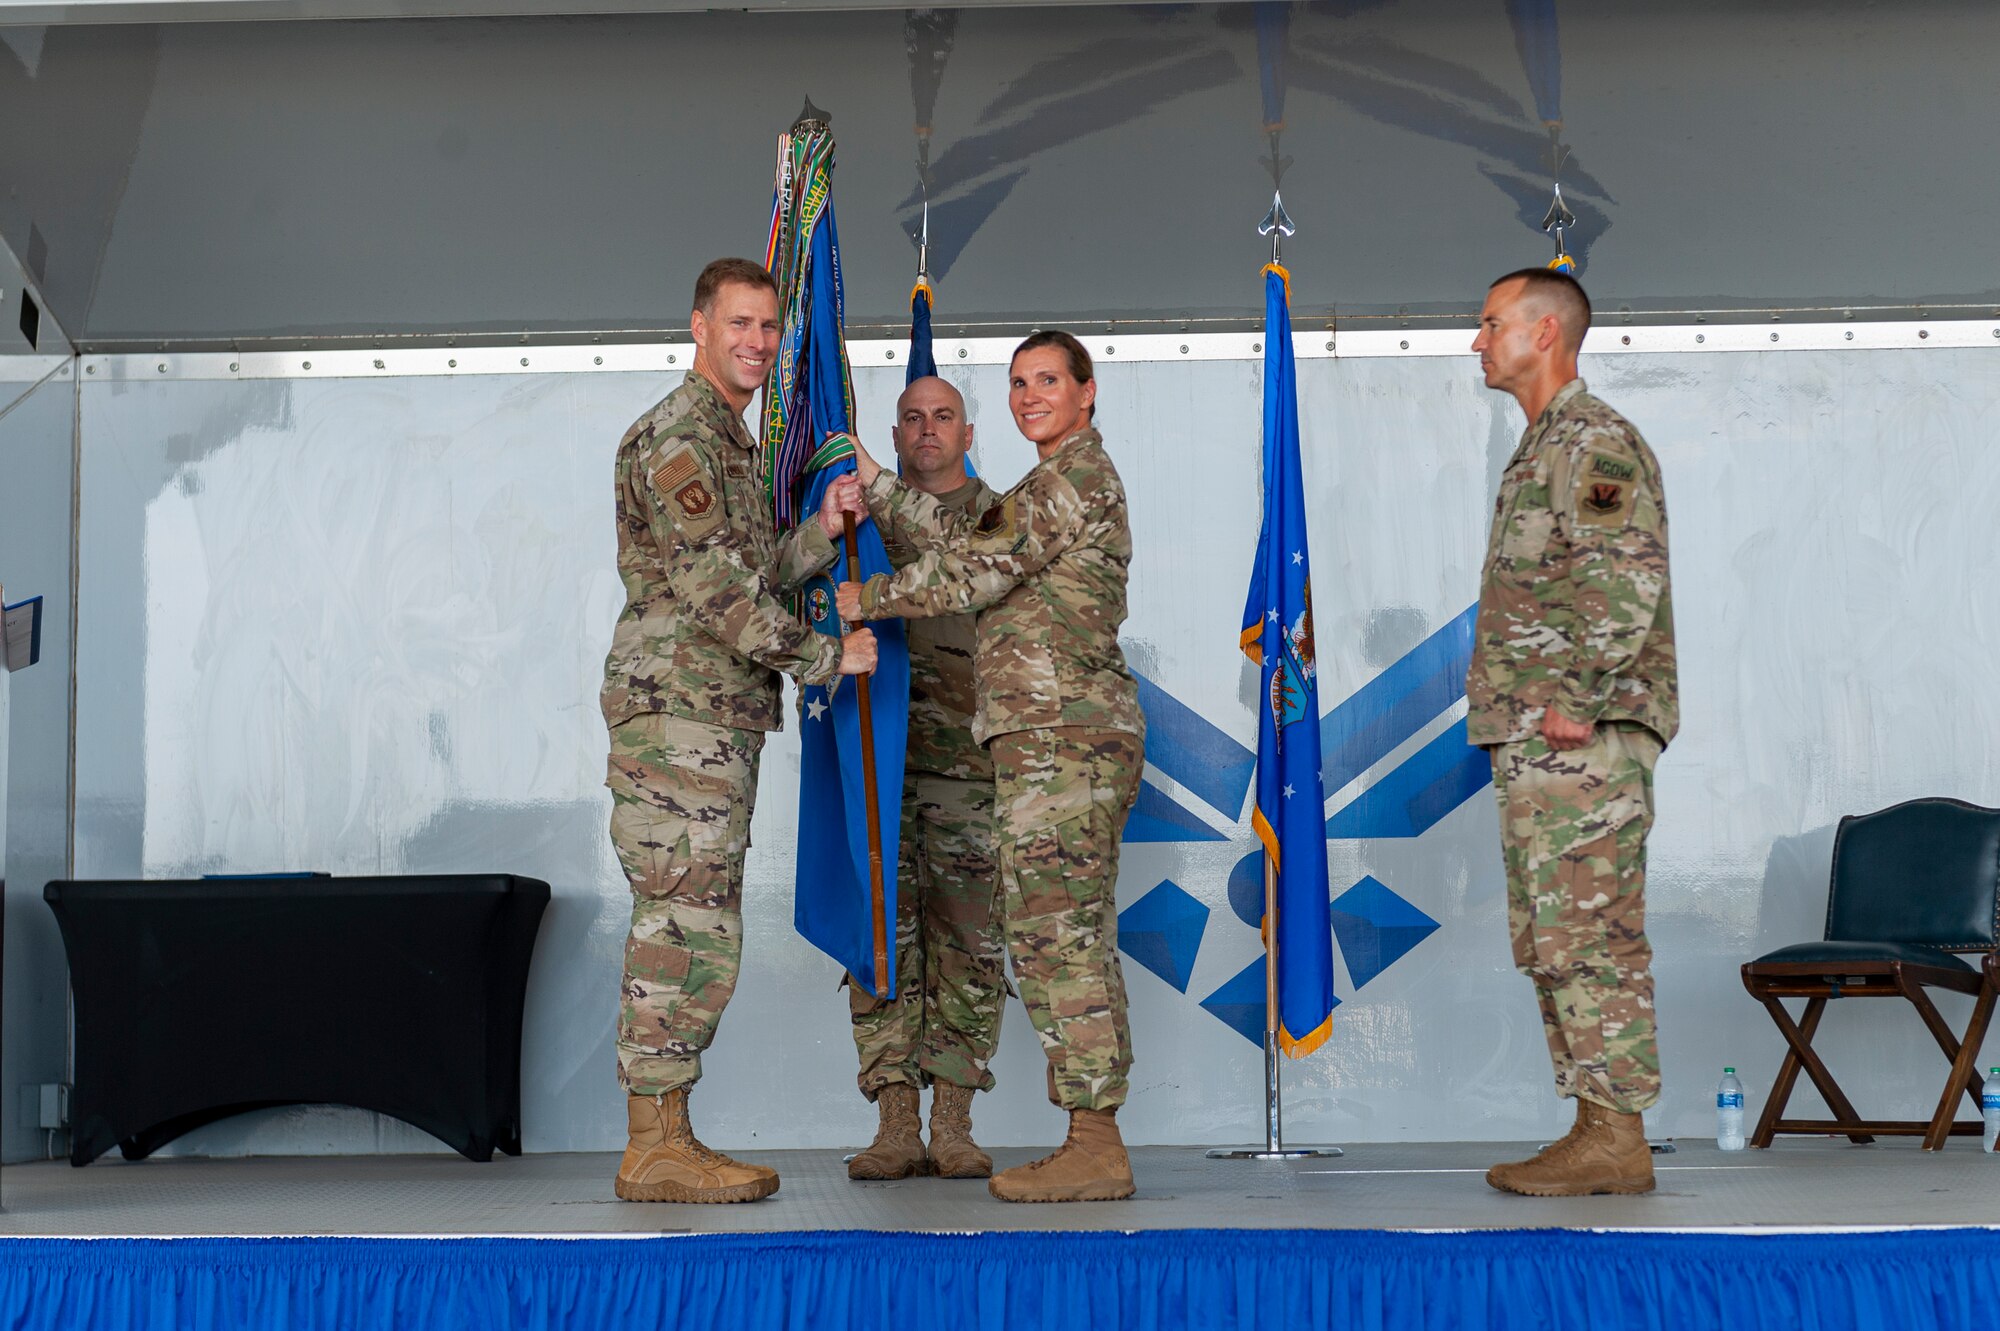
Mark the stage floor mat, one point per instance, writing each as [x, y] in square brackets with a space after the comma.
[1798, 1184]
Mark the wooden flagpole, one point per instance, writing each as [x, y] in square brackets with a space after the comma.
[880, 908]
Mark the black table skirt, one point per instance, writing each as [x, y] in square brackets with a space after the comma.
[200, 999]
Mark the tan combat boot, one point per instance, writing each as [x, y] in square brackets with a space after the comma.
[953, 1153]
[1090, 1166]
[665, 1163]
[898, 1148]
[1608, 1154]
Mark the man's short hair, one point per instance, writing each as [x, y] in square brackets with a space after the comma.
[1563, 293]
[724, 271]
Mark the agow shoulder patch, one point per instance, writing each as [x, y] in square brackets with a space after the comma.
[1604, 490]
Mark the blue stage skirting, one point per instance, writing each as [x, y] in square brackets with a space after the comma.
[1291, 1279]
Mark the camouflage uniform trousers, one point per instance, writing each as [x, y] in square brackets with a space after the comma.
[1061, 796]
[681, 796]
[1573, 827]
[944, 1022]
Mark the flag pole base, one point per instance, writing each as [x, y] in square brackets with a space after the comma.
[1274, 1147]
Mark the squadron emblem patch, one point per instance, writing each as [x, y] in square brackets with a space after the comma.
[694, 499]
[997, 520]
[819, 605]
[1604, 498]
[1604, 490]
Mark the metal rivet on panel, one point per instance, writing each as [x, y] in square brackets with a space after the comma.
[92, 369]
[1850, 335]
[1923, 332]
[1626, 340]
[597, 360]
[1257, 347]
[451, 364]
[961, 353]
[670, 360]
[1774, 337]
[1996, 332]
[305, 365]
[379, 365]
[163, 367]
[234, 367]
[1184, 345]
[1404, 345]
[1110, 350]
[524, 360]
[890, 354]
[1701, 337]
[1329, 346]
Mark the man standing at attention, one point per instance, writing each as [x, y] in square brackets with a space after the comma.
[690, 688]
[944, 1023]
[1572, 691]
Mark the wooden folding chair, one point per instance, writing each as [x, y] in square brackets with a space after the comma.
[1913, 885]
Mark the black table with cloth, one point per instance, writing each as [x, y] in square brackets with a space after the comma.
[200, 999]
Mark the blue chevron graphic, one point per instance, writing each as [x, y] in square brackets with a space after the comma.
[1155, 817]
[1201, 756]
[1408, 802]
[1396, 704]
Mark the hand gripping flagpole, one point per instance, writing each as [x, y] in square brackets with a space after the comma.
[1277, 224]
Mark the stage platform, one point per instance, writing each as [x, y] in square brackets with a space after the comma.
[1809, 1183]
[1814, 1233]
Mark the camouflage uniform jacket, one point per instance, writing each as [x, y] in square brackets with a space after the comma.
[941, 651]
[1574, 605]
[703, 632]
[1045, 567]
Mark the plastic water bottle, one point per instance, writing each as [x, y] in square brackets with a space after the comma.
[1989, 1106]
[1729, 1112]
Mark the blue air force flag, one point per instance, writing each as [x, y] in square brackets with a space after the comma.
[1290, 813]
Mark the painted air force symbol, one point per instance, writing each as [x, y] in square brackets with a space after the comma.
[819, 605]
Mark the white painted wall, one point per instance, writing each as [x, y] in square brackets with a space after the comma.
[357, 625]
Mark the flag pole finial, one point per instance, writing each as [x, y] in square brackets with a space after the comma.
[1277, 224]
[809, 113]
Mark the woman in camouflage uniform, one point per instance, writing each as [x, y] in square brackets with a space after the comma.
[1045, 568]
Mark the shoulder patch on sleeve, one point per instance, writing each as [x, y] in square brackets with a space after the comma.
[683, 484]
[1604, 486]
[999, 519]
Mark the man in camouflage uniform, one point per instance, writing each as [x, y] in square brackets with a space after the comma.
[1572, 690]
[690, 688]
[944, 1023]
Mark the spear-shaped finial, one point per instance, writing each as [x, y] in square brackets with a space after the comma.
[1277, 224]
[809, 112]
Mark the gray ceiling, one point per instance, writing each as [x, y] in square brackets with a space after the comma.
[217, 182]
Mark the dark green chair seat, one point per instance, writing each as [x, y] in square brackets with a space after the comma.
[1840, 952]
[1911, 886]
